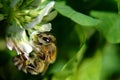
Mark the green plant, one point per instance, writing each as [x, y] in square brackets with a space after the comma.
[87, 33]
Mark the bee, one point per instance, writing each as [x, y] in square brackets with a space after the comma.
[43, 53]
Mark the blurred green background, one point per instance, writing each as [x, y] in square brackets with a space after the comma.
[88, 43]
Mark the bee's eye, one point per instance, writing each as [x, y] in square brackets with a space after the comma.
[46, 39]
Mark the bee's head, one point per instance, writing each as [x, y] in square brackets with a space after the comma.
[45, 38]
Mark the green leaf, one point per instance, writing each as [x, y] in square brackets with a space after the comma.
[1, 17]
[90, 69]
[87, 69]
[74, 62]
[70, 68]
[110, 60]
[1, 5]
[77, 17]
[118, 3]
[109, 26]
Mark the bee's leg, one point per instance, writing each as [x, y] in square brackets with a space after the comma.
[20, 63]
[36, 67]
[45, 69]
[19, 51]
[31, 69]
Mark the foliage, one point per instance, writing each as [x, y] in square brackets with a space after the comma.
[87, 33]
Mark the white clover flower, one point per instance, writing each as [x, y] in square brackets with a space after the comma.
[45, 11]
[25, 47]
[45, 27]
[19, 34]
[26, 39]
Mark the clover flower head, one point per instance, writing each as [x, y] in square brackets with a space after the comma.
[21, 32]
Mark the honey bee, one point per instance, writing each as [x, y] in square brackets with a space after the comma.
[43, 53]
